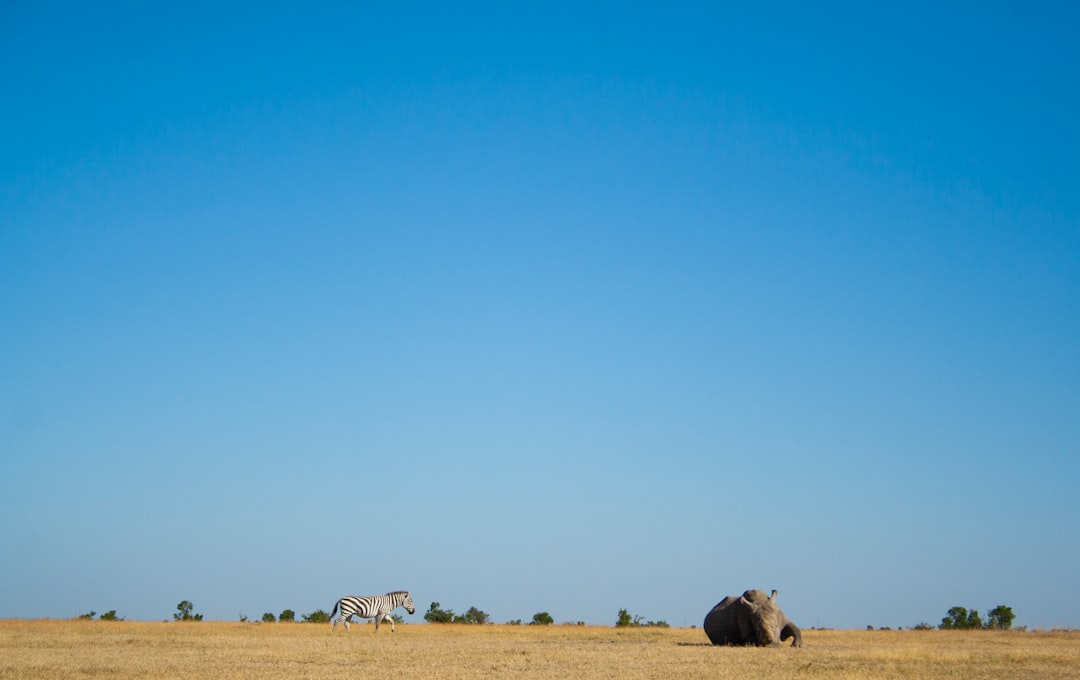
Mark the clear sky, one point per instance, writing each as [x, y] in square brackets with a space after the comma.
[547, 308]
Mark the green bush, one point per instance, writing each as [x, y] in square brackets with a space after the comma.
[107, 616]
[287, 615]
[959, 618]
[436, 615]
[474, 615]
[317, 616]
[624, 620]
[268, 618]
[1001, 618]
[184, 612]
[541, 619]
[955, 619]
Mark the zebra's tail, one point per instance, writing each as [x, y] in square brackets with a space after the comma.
[335, 610]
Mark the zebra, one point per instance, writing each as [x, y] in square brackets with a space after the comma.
[375, 606]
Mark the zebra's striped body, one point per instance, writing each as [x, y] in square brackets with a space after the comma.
[377, 607]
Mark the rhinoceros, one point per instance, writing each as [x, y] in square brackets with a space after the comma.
[750, 619]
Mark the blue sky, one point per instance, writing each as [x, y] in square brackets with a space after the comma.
[553, 308]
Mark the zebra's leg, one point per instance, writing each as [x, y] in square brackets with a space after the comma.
[389, 618]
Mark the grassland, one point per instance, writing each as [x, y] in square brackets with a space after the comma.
[123, 649]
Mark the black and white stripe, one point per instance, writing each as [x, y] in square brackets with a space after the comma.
[375, 606]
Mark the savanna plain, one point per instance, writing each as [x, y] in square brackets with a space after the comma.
[128, 649]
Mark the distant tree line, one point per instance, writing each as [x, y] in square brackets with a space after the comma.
[624, 620]
[959, 618]
[1000, 617]
[185, 611]
[288, 616]
[107, 616]
[436, 614]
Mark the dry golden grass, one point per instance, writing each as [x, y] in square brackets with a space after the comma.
[75, 649]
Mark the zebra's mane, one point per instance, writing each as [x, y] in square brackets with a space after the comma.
[398, 592]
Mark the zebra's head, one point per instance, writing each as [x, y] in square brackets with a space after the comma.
[403, 598]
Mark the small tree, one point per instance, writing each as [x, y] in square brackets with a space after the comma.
[88, 616]
[436, 615]
[1001, 618]
[974, 621]
[110, 616]
[268, 618]
[542, 619]
[184, 612]
[955, 619]
[625, 621]
[960, 618]
[317, 616]
[478, 616]
[287, 615]
[474, 615]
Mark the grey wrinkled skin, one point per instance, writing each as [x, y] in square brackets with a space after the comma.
[751, 619]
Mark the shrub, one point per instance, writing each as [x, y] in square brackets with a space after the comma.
[542, 619]
[474, 615]
[959, 618]
[317, 616]
[625, 621]
[1001, 618]
[287, 615]
[975, 621]
[184, 612]
[268, 618]
[955, 619]
[436, 615]
[110, 616]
